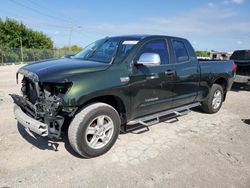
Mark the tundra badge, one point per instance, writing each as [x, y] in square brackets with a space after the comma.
[124, 79]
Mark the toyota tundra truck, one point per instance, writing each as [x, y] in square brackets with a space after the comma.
[117, 82]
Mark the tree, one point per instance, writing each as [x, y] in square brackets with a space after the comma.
[13, 34]
[20, 43]
[73, 48]
[203, 53]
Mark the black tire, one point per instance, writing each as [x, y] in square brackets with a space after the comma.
[78, 127]
[207, 105]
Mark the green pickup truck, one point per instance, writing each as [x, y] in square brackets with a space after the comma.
[115, 83]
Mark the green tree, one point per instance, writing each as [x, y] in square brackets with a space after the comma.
[73, 48]
[202, 53]
[13, 33]
[35, 45]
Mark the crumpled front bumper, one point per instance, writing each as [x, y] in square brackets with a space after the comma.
[30, 123]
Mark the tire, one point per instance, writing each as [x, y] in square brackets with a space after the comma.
[208, 105]
[90, 134]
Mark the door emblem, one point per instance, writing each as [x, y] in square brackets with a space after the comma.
[152, 99]
[124, 79]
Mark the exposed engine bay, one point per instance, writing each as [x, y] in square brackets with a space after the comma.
[43, 102]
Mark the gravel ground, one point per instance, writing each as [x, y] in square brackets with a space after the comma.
[196, 150]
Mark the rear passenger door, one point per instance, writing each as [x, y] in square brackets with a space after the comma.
[187, 71]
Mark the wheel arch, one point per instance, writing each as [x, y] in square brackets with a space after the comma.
[115, 101]
[223, 83]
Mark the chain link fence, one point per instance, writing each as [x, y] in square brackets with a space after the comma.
[25, 55]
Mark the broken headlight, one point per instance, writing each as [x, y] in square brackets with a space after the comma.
[57, 89]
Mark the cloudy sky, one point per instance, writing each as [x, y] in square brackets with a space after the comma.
[209, 25]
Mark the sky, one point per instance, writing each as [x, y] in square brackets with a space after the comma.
[222, 25]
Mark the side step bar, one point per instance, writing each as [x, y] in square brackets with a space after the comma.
[155, 118]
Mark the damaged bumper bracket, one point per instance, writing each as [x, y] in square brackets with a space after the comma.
[30, 123]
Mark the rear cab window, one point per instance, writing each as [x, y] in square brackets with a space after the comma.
[241, 55]
[180, 51]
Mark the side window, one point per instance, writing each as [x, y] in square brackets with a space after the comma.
[180, 50]
[124, 49]
[156, 46]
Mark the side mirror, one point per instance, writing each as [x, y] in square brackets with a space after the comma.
[149, 59]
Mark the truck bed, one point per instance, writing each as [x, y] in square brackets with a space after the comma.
[218, 66]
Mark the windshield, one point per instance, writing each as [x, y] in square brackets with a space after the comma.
[102, 50]
[105, 50]
[241, 55]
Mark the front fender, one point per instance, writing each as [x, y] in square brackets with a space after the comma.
[88, 86]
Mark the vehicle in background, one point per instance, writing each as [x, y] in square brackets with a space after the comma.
[68, 55]
[203, 58]
[242, 59]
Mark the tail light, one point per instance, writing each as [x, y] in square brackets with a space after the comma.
[234, 68]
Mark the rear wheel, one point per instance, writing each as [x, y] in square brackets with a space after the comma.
[214, 101]
[94, 130]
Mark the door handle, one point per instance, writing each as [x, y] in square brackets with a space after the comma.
[152, 76]
[169, 72]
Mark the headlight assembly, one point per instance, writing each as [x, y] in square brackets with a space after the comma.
[57, 89]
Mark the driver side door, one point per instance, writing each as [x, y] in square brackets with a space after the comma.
[152, 85]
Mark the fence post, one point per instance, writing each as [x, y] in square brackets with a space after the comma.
[33, 54]
[21, 49]
[1, 50]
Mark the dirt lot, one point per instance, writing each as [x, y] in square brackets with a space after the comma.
[198, 150]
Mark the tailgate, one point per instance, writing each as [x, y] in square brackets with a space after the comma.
[243, 68]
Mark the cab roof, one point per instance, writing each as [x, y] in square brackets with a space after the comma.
[140, 36]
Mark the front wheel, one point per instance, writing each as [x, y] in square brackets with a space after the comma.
[94, 130]
[214, 101]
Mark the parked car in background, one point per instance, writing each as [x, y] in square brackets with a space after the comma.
[242, 60]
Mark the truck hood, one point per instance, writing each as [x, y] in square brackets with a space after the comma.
[52, 70]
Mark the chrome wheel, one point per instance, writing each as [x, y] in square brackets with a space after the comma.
[99, 132]
[217, 99]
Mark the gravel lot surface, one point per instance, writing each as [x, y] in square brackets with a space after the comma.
[197, 150]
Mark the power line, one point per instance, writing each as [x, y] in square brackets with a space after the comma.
[70, 27]
[37, 5]
[42, 7]
[27, 20]
[38, 11]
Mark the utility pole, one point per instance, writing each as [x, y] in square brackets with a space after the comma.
[70, 35]
[21, 49]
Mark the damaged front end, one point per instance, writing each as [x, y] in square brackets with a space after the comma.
[40, 106]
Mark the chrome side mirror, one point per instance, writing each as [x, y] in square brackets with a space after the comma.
[149, 59]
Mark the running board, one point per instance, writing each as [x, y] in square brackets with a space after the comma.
[155, 118]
